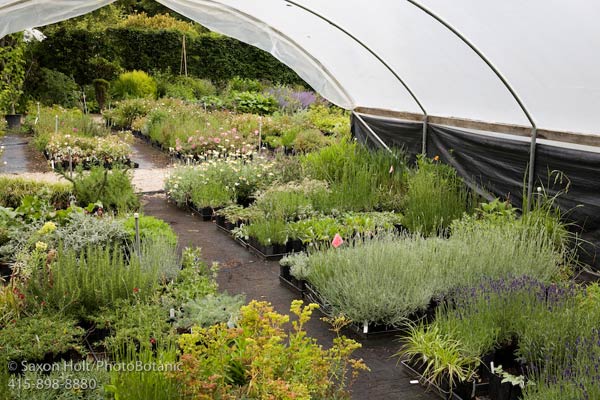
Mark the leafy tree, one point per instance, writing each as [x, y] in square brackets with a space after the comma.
[12, 71]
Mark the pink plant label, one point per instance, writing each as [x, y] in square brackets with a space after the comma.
[337, 241]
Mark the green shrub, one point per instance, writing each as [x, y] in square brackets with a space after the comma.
[330, 120]
[254, 103]
[362, 179]
[112, 188]
[135, 84]
[134, 323]
[54, 87]
[127, 111]
[101, 91]
[14, 189]
[238, 84]
[80, 284]
[40, 334]
[101, 232]
[141, 384]
[151, 227]
[199, 87]
[310, 140]
[268, 232]
[195, 281]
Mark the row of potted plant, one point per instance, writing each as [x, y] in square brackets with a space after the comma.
[70, 138]
[81, 289]
[193, 132]
[527, 338]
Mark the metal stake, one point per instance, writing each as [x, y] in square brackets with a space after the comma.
[530, 182]
[70, 163]
[56, 124]
[425, 127]
[138, 244]
[260, 134]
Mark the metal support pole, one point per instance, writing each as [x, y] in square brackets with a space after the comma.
[371, 131]
[85, 109]
[260, 135]
[425, 127]
[138, 242]
[506, 84]
[530, 182]
[70, 162]
[56, 124]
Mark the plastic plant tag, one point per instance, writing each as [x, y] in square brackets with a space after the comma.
[366, 327]
[391, 169]
[414, 382]
[172, 313]
[337, 241]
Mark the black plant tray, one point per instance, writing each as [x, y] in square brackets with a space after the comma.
[286, 278]
[373, 330]
[206, 213]
[465, 391]
[274, 253]
[224, 224]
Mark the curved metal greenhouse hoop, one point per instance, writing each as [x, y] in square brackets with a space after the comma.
[504, 82]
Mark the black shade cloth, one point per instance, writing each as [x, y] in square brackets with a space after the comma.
[393, 132]
[499, 165]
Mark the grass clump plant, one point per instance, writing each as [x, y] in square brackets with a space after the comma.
[435, 197]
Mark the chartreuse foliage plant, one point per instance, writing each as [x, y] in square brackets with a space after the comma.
[440, 356]
[134, 84]
[151, 228]
[260, 359]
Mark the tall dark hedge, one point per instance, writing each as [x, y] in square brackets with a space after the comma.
[218, 58]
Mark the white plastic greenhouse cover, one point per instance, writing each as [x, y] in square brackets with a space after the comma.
[395, 55]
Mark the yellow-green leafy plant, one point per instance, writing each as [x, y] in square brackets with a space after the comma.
[440, 357]
[259, 359]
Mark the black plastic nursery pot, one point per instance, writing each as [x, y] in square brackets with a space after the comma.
[462, 391]
[294, 246]
[503, 391]
[5, 271]
[206, 213]
[373, 330]
[285, 277]
[271, 252]
[13, 121]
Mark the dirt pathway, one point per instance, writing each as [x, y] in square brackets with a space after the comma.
[20, 157]
[242, 272]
